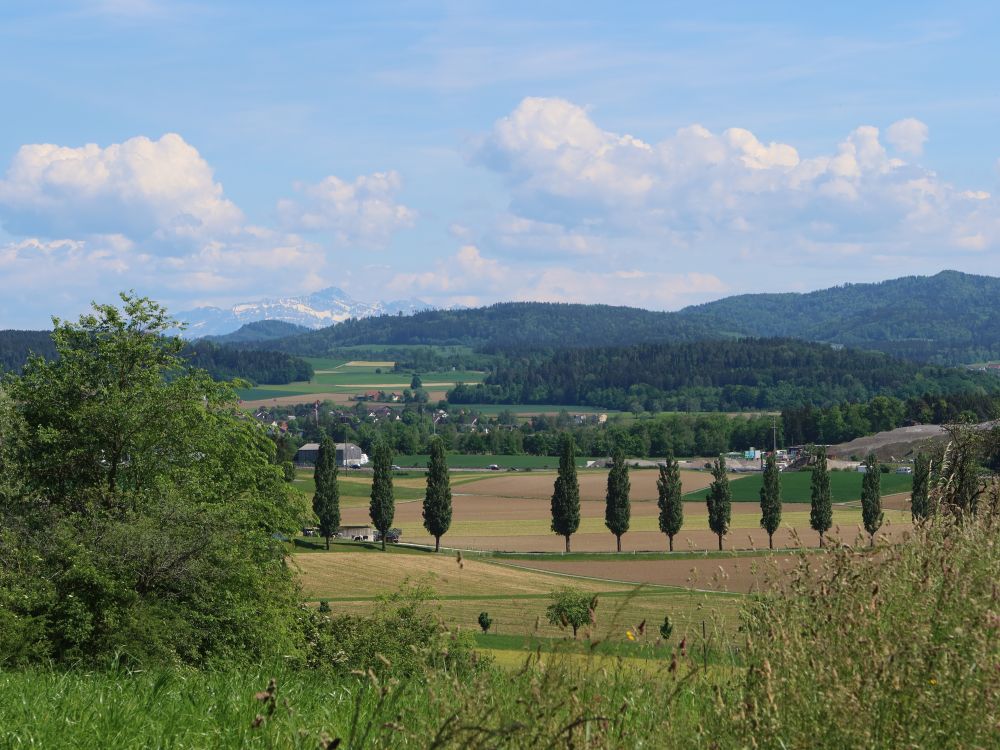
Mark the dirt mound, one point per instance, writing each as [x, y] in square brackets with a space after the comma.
[891, 445]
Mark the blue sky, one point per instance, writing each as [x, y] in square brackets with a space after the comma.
[655, 154]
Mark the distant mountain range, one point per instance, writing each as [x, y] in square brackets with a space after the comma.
[318, 310]
[948, 318]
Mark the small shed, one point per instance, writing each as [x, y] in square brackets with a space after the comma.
[357, 533]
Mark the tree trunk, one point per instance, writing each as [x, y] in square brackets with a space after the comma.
[383, 542]
[619, 538]
[671, 543]
[770, 541]
[821, 540]
[574, 632]
[328, 544]
[720, 542]
[437, 544]
[567, 542]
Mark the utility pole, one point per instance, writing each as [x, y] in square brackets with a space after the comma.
[774, 432]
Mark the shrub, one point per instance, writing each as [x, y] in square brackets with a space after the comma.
[402, 638]
[485, 621]
[666, 629]
[571, 608]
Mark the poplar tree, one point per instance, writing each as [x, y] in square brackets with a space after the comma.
[437, 501]
[770, 499]
[326, 500]
[821, 501]
[617, 508]
[719, 500]
[871, 497]
[668, 487]
[566, 492]
[383, 506]
[920, 498]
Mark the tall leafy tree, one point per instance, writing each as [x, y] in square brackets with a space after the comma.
[668, 487]
[770, 499]
[437, 500]
[719, 500]
[821, 500]
[871, 497]
[566, 492]
[920, 497]
[382, 508]
[618, 506]
[139, 505]
[326, 500]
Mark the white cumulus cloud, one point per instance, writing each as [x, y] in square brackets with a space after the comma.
[907, 136]
[139, 188]
[363, 212]
[707, 191]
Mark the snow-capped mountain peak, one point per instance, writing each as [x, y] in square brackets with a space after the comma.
[317, 310]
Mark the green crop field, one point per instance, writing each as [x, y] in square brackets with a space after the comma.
[845, 486]
[337, 376]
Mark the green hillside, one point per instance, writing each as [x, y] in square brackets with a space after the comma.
[905, 317]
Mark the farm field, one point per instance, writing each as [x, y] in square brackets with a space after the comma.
[515, 598]
[795, 486]
[457, 461]
[338, 380]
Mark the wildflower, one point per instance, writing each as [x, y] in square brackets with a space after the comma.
[932, 681]
[629, 635]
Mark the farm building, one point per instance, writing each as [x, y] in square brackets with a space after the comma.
[307, 455]
[357, 533]
[348, 454]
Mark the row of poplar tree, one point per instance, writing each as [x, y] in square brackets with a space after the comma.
[566, 497]
[617, 515]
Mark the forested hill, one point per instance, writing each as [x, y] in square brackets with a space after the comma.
[15, 346]
[714, 376]
[501, 326]
[949, 318]
[221, 362]
[258, 331]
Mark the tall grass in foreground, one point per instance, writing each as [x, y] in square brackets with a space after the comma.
[895, 648]
[549, 703]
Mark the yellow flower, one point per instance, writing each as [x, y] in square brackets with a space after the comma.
[932, 681]
[629, 635]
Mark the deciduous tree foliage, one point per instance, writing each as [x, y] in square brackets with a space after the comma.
[770, 499]
[437, 501]
[821, 501]
[326, 500]
[618, 506]
[138, 506]
[566, 493]
[871, 497]
[382, 508]
[571, 608]
[719, 500]
[670, 492]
